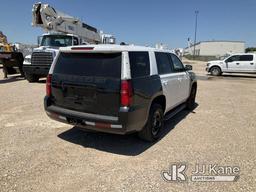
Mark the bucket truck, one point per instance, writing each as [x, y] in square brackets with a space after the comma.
[61, 30]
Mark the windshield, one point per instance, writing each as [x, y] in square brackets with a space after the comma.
[56, 41]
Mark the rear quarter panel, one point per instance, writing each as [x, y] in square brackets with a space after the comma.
[145, 90]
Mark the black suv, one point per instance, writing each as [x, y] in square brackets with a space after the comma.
[118, 88]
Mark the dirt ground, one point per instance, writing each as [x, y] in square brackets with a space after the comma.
[39, 154]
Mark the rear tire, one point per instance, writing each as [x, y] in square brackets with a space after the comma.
[192, 98]
[32, 78]
[216, 71]
[154, 124]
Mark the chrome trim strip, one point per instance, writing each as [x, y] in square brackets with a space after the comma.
[57, 110]
[62, 117]
[89, 123]
[103, 117]
[116, 126]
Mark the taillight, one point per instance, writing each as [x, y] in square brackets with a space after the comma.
[126, 93]
[48, 85]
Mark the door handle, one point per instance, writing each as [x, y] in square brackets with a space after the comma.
[237, 63]
[251, 63]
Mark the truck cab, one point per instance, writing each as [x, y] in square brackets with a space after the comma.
[38, 64]
[236, 63]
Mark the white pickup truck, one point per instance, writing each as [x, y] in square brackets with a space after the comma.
[236, 63]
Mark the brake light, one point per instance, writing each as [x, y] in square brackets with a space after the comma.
[82, 48]
[126, 93]
[48, 85]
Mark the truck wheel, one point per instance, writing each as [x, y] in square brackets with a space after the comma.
[216, 71]
[32, 78]
[154, 124]
[192, 98]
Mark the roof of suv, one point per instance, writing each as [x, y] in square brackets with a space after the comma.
[109, 48]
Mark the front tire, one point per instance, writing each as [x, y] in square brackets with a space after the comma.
[154, 124]
[32, 78]
[215, 71]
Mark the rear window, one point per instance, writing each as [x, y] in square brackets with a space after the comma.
[139, 63]
[89, 64]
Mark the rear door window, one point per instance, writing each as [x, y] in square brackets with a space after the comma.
[89, 64]
[139, 64]
[246, 58]
[164, 63]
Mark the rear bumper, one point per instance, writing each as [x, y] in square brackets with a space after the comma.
[40, 70]
[128, 120]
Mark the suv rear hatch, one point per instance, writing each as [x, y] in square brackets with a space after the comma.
[88, 82]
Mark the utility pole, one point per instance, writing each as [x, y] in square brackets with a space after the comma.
[194, 52]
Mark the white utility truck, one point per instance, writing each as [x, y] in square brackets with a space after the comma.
[236, 63]
[61, 30]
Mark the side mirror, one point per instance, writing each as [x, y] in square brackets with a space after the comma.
[188, 67]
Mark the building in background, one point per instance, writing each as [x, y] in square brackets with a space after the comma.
[215, 48]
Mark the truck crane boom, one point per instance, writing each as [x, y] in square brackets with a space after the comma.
[50, 19]
[62, 30]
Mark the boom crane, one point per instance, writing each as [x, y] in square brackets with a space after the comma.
[61, 30]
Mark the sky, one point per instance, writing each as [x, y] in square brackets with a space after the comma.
[143, 22]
